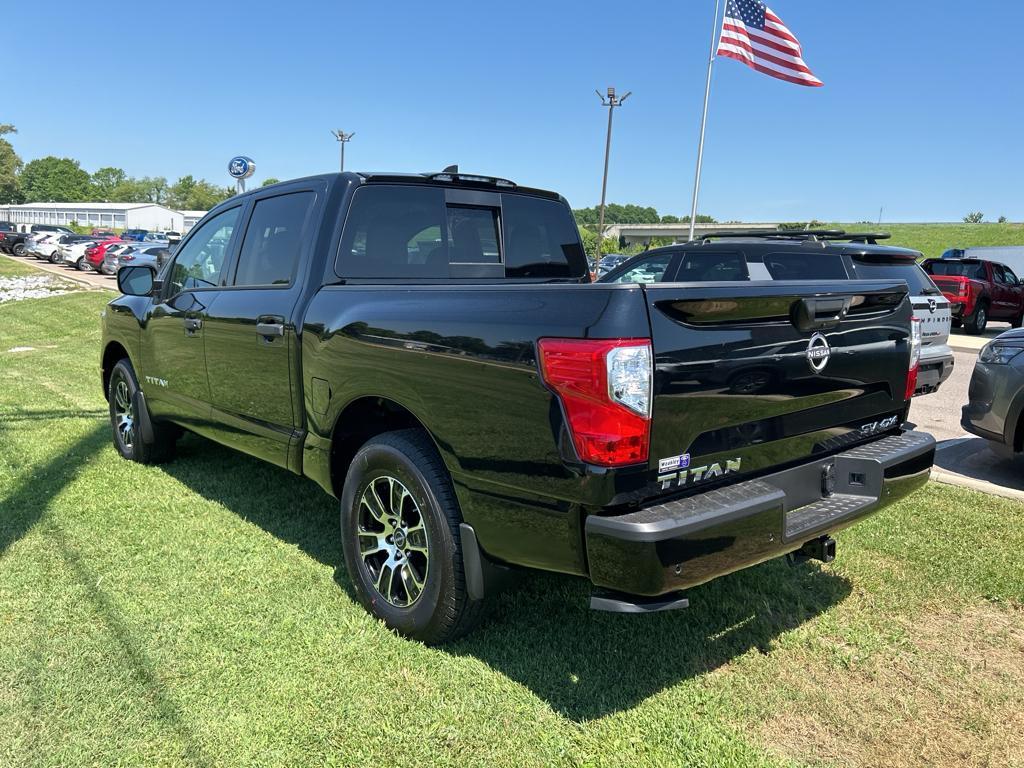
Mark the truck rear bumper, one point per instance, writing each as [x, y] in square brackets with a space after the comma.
[669, 547]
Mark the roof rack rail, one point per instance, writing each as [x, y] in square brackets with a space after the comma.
[868, 238]
[803, 234]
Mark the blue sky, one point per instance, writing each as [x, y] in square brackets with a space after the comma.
[922, 110]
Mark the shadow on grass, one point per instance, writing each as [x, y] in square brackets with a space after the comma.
[541, 633]
[27, 500]
[588, 664]
[289, 507]
[24, 507]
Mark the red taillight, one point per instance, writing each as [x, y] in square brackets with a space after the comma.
[605, 389]
[915, 358]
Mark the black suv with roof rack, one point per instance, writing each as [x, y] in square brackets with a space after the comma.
[823, 254]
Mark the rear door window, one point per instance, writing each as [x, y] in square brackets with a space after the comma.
[805, 266]
[712, 266]
[273, 240]
[907, 271]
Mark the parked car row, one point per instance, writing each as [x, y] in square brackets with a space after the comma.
[102, 251]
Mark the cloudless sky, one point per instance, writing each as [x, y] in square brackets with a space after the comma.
[922, 111]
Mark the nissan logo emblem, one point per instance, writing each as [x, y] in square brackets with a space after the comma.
[818, 352]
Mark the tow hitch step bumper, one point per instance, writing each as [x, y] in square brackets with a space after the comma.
[655, 553]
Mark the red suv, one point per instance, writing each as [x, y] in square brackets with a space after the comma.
[94, 253]
[978, 291]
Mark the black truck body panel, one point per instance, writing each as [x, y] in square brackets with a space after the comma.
[459, 357]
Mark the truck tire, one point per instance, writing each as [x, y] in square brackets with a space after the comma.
[401, 540]
[978, 320]
[127, 434]
[1018, 321]
[19, 249]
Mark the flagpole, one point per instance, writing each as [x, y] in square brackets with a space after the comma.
[704, 119]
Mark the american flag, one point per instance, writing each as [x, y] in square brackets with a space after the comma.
[751, 33]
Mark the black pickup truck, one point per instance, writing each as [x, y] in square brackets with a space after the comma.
[431, 351]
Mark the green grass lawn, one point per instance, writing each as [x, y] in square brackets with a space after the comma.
[933, 239]
[197, 613]
[14, 268]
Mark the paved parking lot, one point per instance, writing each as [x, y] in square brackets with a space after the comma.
[962, 458]
[92, 279]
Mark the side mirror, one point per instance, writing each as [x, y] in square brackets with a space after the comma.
[136, 280]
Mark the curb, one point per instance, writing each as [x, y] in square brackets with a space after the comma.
[950, 478]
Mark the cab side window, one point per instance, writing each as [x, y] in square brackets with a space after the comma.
[199, 262]
[650, 270]
[273, 240]
[1011, 278]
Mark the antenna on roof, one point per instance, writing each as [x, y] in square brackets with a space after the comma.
[451, 169]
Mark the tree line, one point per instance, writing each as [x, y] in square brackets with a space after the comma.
[63, 180]
[631, 214]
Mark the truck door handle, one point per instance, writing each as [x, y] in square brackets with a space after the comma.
[270, 327]
[192, 324]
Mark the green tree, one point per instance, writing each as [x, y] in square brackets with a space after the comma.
[154, 189]
[180, 191]
[975, 217]
[128, 191]
[105, 181]
[10, 166]
[203, 196]
[60, 179]
[1002, 219]
[268, 181]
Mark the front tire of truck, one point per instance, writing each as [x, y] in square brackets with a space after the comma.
[401, 538]
[126, 423]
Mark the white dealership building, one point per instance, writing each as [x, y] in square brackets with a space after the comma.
[148, 216]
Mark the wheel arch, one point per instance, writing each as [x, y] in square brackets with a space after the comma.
[362, 419]
[113, 352]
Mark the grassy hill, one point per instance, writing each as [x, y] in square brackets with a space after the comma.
[933, 239]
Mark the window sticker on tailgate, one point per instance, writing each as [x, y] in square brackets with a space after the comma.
[674, 462]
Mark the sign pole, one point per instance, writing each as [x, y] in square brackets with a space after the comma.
[704, 119]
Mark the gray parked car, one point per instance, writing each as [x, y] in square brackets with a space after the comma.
[995, 399]
[135, 254]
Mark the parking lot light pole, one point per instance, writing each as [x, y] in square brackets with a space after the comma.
[611, 101]
[343, 139]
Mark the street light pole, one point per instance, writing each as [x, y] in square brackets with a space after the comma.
[343, 139]
[611, 101]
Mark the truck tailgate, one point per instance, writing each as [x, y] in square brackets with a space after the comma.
[750, 376]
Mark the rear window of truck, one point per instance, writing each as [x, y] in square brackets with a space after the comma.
[908, 271]
[405, 231]
[972, 269]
